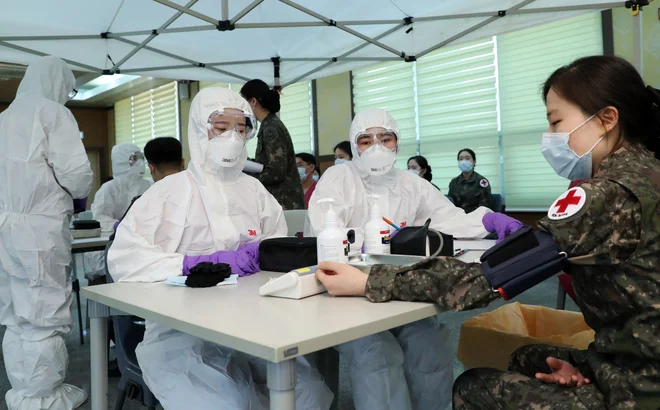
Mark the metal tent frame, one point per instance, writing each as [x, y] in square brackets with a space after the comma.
[227, 69]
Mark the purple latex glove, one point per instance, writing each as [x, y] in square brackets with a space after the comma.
[244, 261]
[114, 227]
[502, 224]
[79, 205]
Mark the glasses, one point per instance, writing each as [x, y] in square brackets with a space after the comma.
[134, 157]
[367, 139]
[220, 122]
[73, 94]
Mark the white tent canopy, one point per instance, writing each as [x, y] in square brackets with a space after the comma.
[184, 39]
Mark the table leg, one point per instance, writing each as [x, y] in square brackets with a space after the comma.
[99, 362]
[282, 385]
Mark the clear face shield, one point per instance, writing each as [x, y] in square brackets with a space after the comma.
[135, 157]
[137, 162]
[220, 123]
[228, 131]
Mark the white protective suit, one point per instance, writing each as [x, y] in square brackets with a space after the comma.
[201, 210]
[43, 166]
[420, 352]
[114, 197]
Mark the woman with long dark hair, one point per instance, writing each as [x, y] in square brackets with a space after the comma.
[603, 126]
[274, 146]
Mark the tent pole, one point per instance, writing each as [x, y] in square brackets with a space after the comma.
[346, 54]
[245, 11]
[39, 53]
[225, 9]
[238, 62]
[151, 37]
[342, 27]
[187, 11]
[473, 28]
[169, 67]
[176, 57]
[308, 59]
[47, 38]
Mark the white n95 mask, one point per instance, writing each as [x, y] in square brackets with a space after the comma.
[226, 149]
[378, 159]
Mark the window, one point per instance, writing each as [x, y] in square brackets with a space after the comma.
[151, 114]
[483, 95]
[296, 113]
[457, 100]
[526, 59]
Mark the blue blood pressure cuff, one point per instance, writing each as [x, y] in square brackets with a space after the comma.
[521, 261]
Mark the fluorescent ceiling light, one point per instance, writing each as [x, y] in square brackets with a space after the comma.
[102, 84]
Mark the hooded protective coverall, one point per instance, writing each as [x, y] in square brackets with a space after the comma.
[43, 166]
[114, 197]
[411, 366]
[199, 211]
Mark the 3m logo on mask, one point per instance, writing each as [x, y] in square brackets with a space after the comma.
[252, 232]
[567, 204]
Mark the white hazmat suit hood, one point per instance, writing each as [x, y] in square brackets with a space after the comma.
[114, 198]
[207, 208]
[408, 367]
[43, 166]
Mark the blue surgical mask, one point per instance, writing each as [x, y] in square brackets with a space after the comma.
[339, 161]
[563, 159]
[315, 177]
[303, 173]
[414, 171]
[465, 165]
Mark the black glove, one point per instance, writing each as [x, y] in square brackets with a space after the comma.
[207, 274]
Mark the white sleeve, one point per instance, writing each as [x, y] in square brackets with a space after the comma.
[144, 249]
[67, 156]
[333, 184]
[273, 223]
[103, 207]
[447, 218]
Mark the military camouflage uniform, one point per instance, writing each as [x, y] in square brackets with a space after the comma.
[280, 175]
[470, 193]
[613, 244]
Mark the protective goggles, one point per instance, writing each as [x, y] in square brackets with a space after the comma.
[367, 139]
[232, 119]
[73, 94]
[134, 157]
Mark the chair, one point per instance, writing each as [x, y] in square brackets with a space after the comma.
[295, 221]
[496, 203]
[128, 334]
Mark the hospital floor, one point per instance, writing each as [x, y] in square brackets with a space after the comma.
[79, 370]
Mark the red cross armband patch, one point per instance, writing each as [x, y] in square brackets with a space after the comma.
[483, 183]
[568, 204]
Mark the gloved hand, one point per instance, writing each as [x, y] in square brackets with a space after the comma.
[500, 223]
[79, 205]
[114, 227]
[244, 261]
[207, 274]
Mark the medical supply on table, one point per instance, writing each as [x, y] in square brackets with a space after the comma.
[85, 229]
[390, 223]
[460, 252]
[297, 284]
[521, 261]
[181, 280]
[376, 231]
[331, 244]
[287, 254]
[355, 237]
[207, 274]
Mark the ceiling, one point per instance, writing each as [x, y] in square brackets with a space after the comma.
[226, 40]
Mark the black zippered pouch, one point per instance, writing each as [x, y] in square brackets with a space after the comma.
[287, 254]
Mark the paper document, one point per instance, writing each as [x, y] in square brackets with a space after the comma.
[474, 244]
[181, 280]
[253, 167]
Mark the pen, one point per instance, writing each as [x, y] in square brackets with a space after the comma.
[390, 223]
[459, 252]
